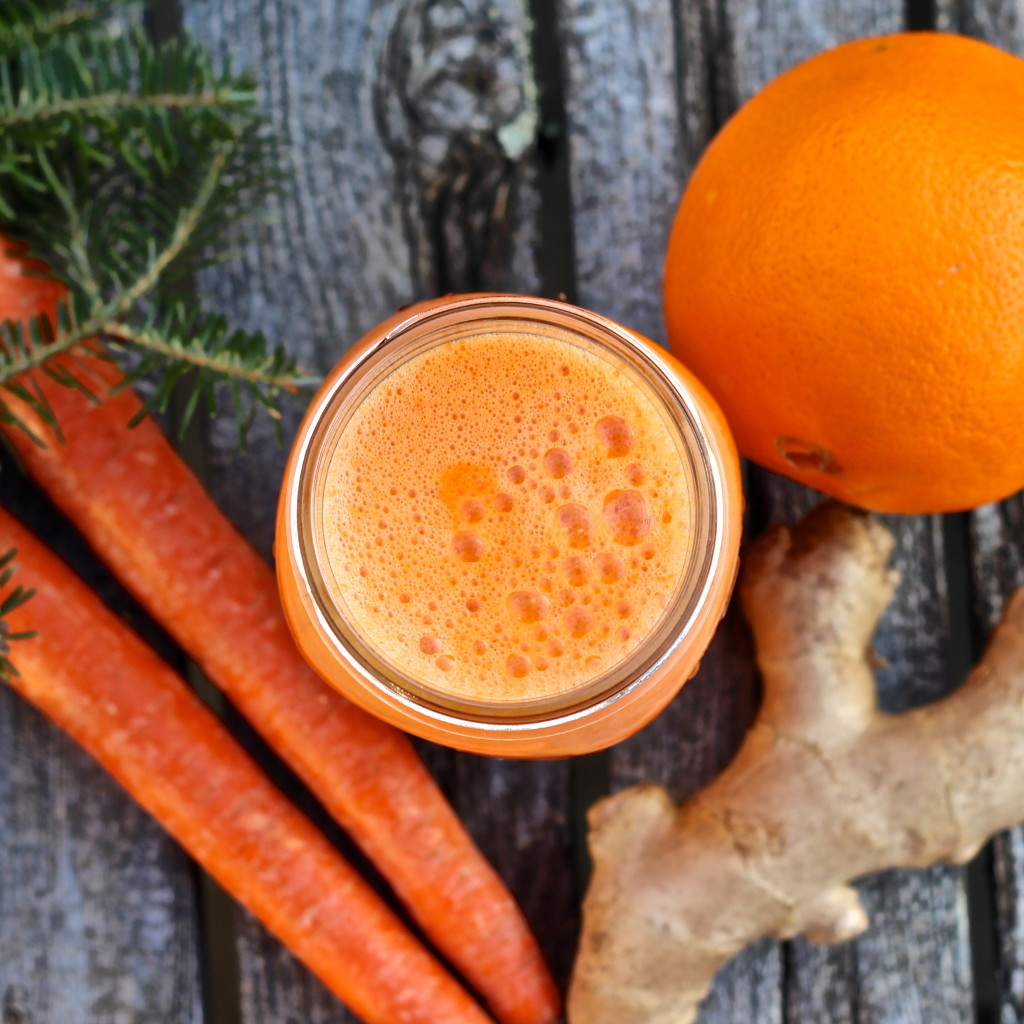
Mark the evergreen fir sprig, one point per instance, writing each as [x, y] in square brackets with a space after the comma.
[124, 168]
[103, 97]
[9, 601]
[183, 339]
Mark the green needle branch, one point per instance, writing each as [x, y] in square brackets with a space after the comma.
[111, 104]
[124, 169]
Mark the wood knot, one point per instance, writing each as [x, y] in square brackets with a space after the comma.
[456, 74]
[456, 106]
[15, 1006]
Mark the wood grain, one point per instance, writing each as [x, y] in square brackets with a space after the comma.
[997, 550]
[1000, 22]
[410, 131]
[98, 918]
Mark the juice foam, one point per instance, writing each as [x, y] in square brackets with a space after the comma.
[506, 516]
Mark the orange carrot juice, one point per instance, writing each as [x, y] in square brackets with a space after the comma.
[504, 528]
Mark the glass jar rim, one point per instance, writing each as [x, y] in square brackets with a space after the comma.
[472, 315]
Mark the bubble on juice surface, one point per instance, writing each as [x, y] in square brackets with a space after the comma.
[468, 546]
[577, 523]
[444, 663]
[518, 665]
[472, 511]
[516, 474]
[616, 435]
[576, 570]
[462, 487]
[503, 502]
[635, 474]
[430, 645]
[558, 463]
[610, 566]
[529, 606]
[627, 516]
[547, 495]
[578, 622]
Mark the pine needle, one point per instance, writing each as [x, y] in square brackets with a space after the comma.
[124, 167]
[10, 599]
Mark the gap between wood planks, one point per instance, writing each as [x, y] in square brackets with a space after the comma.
[964, 649]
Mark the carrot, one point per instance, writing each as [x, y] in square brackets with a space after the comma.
[100, 683]
[151, 521]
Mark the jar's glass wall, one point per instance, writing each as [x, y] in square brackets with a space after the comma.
[643, 372]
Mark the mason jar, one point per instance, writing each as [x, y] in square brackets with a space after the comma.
[509, 525]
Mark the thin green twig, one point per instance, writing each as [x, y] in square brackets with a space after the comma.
[41, 353]
[109, 103]
[224, 364]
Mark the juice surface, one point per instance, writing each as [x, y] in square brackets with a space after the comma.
[506, 516]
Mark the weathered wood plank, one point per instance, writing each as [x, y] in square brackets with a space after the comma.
[626, 151]
[98, 919]
[997, 543]
[997, 551]
[646, 87]
[1000, 22]
[409, 127]
[914, 963]
[638, 112]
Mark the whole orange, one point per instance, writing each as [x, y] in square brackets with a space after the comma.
[846, 273]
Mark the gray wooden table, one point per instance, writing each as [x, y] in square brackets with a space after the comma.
[454, 145]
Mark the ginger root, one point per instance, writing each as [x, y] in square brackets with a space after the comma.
[825, 788]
